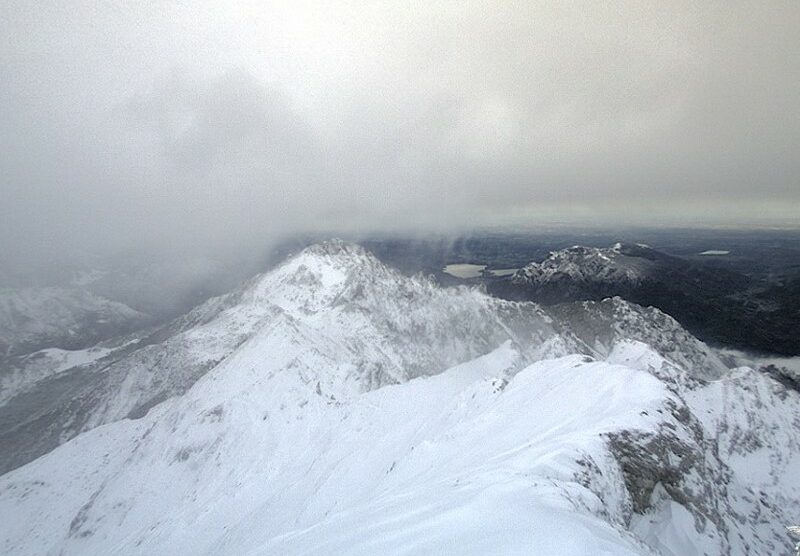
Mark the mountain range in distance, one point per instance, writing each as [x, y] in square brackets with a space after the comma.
[717, 304]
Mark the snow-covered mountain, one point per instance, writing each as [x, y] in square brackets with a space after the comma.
[589, 267]
[69, 318]
[343, 309]
[332, 307]
[333, 405]
[630, 270]
[717, 304]
[602, 324]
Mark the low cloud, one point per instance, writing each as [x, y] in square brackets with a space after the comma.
[211, 126]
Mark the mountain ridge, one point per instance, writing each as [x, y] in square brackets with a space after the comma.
[308, 410]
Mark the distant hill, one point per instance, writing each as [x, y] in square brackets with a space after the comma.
[718, 305]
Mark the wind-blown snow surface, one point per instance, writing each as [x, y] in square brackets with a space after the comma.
[462, 461]
[325, 424]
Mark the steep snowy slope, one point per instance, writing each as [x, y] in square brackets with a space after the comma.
[342, 307]
[332, 306]
[565, 456]
[337, 305]
[476, 459]
[747, 427]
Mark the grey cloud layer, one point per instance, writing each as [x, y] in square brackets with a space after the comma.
[179, 123]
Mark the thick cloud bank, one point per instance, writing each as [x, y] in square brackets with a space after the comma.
[184, 124]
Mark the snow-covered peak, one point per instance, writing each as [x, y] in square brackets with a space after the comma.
[333, 315]
[398, 327]
[332, 255]
[619, 264]
[315, 277]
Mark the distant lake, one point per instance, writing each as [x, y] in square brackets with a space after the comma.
[503, 271]
[464, 270]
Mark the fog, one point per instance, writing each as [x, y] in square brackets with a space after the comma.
[225, 125]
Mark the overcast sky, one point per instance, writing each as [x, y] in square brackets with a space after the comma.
[221, 123]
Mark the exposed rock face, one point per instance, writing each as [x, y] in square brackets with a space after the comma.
[601, 324]
[724, 457]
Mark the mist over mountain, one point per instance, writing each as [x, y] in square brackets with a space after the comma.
[399, 278]
[225, 127]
